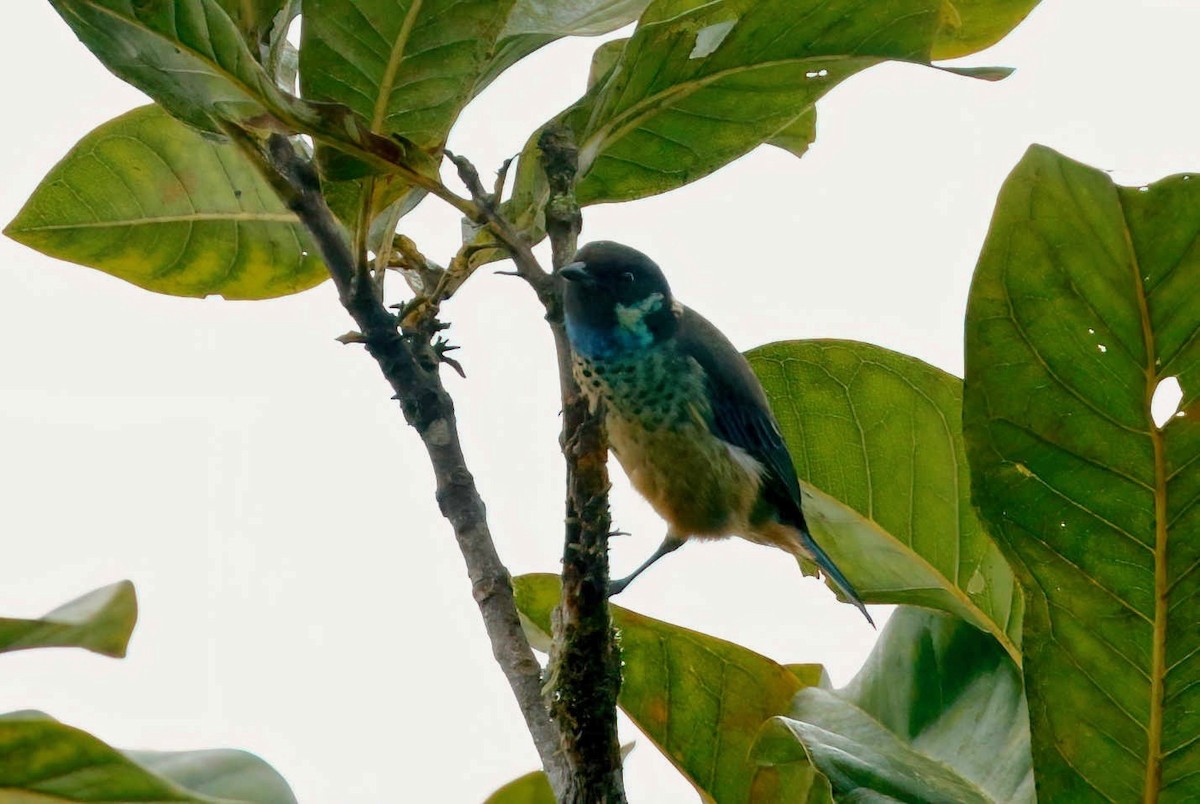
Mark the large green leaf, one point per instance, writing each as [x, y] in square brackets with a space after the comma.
[702, 82]
[406, 66]
[186, 54]
[937, 714]
[147, 199]
[101, 621]
[1084, 300]
[45, 761]
[701, 700]
[876, 436]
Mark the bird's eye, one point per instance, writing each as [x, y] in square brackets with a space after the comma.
[627, 278]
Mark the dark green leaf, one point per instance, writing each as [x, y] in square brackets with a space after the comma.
[936, 715]
[877, 438]
[101, 621]
[147, 199]
[1084, 300]
[186, 54]
[407, 67]
[44, 760]
[699, 699]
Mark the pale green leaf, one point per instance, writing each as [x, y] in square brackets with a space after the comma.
[147, 199]
[42, 760]
[1083, 301]
[101, 621]
[936, 715]
[877, 440]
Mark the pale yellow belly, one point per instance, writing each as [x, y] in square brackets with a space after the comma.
[691, 479]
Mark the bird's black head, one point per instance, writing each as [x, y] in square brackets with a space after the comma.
[616, 300]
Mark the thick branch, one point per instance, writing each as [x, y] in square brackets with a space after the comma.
[586, 663]
[410, 364]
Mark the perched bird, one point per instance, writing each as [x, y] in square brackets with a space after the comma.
[687, 418]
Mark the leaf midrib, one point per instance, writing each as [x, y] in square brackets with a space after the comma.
[1152, 783]
[388, 81]
[253, 217]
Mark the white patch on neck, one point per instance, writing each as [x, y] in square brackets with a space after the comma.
[631, 318]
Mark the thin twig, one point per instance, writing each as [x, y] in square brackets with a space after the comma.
[410, 364]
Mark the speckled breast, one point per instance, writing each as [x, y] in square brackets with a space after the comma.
[656, 412]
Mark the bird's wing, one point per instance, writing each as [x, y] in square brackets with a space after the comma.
[741, 415]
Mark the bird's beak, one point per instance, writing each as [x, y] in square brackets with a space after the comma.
[575, 272]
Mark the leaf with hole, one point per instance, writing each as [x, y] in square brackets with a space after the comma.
[876, 438]
[1084, 300]
[150, 201]
[101, 621]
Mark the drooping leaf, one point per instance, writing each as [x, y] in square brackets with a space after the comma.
[936, 714]
[147, 199]
[101, 621]
[186, 54]
[699, 699]
[1085, 299]
[47, 761]
[877, 438]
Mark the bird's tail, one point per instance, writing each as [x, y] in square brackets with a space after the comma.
[812, 558]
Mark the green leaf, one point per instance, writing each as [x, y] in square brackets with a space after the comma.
[969, 26]
[700, 700]
[147, 199]
[186, 54]
[1083, 301]
[572, 17]
[935, 715]
[532, 788]
[799, 135]
[255, 18]
[406, 66]
[876, 438]
[101, 621]
[703, 82]
[44, 760]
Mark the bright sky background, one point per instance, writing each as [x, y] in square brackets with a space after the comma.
[301, 596]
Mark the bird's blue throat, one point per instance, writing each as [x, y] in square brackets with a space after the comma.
[630, 333]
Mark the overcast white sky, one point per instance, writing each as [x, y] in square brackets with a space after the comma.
[301, 597]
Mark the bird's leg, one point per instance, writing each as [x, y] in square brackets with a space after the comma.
[670, 544]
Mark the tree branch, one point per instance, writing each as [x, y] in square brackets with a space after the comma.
[586, 662]
[410, 363]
